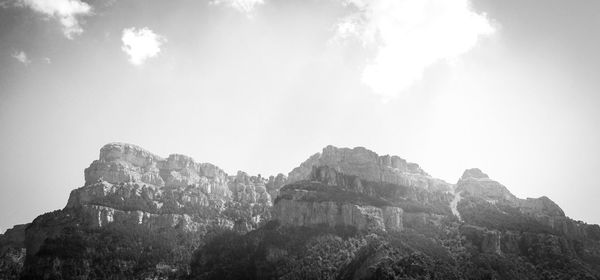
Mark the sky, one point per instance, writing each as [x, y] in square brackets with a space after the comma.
[510, 87]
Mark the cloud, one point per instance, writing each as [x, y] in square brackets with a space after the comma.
[408, 36]
[21, 56]
[244, 6]
[141, 44]
[65, 11]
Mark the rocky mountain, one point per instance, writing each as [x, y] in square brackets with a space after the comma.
[342, 214]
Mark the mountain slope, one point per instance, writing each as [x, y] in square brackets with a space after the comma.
[343, 214]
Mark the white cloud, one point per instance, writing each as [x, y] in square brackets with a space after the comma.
[21, 56]
[65, 11]
[141, 44]
[408, 36]
[244, 6]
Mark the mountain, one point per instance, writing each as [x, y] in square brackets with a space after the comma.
[342, 214]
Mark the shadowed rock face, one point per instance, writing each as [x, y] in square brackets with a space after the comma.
[313, 204]
[363, 218]
[12, 252]
[128, 184]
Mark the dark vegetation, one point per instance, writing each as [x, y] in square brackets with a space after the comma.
[116, 251]
[318, 192]
[477, 211]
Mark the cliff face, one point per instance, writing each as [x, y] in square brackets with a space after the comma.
[369, 166]
[477, 183]
[128, 184]
[131, 187]
[313, 203]
[125, 163]
[140, 216]
[410, 226]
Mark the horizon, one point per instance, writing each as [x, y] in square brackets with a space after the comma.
[509, 87]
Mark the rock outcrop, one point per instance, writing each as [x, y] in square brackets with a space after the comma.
[133, 200]
[125, 163]
[369, 166]
[477, 183]
[131, 187]
[310, 204]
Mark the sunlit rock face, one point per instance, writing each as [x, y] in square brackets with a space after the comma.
[542, 205]
[477, 183]
[129, 185]
[137, 183]
[274, 184]
[249, 189]
[369, 166]
[125, 163]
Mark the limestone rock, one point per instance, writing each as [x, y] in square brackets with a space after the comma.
[128, 183]
[131, 186]
[311, 203]
[477, 183]
[249, 189]
[298, 212]
[368, 165]
[100, 216]
[541, 205]
[124, 163]
[274, 184]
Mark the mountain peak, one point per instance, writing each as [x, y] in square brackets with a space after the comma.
[474, 173]
[369, 166]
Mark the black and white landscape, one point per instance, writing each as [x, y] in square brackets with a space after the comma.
[341, 214]
[377, 139]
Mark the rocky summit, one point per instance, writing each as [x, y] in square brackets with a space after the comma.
[342, 214]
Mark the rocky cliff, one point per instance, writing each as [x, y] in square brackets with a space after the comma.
[409, 226]
[369, 166]
[129, 184]
[130, 187]
[343, 213]
[332, 201]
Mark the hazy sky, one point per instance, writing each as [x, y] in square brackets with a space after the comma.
[509, 86]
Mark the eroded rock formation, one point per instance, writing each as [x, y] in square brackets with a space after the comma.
[137, 200]
[369, 166]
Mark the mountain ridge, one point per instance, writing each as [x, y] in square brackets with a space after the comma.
[130, 192]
